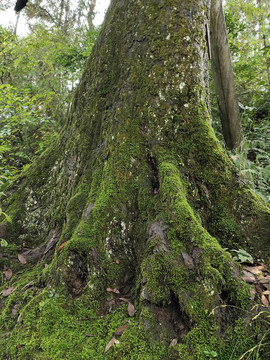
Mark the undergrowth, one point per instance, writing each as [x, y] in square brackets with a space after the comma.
[252, 159]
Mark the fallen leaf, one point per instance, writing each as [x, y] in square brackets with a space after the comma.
[109, 345]
[173, 342]
[18, 347]
[262, 267]
[15, 309]
[8, 274]
[22, 259]
[252, 293]
[61, 246]
[89, 335]
[266, 292]
[19, 317]
[7, 292]
[120, 331]
[256, 270]
[265, 280]
[131, 309]
[258, 289]
[113, 290]
[267, 286]
[117, 262]
[123, 299]
[264, 301]
[248, 277]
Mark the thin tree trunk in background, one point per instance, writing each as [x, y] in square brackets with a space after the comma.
[91, 15]
[223, 77]
[267, 60]
[62, 4]
[16, 26]
[262, 34]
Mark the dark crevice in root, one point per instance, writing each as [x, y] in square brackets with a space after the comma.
[224, 295]
[171, 318]
[180, 321]
[76, 276]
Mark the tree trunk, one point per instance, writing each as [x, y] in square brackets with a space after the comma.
[135, 200]
[91, 15]
[223, 77]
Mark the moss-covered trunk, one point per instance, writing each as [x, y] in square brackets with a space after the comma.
[135, 200]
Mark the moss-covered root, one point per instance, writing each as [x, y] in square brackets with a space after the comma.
[139, 237]
[185, 273]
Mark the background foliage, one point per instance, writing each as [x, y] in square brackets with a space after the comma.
[38, 73]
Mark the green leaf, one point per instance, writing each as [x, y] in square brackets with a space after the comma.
[3, 243]
[8, 218]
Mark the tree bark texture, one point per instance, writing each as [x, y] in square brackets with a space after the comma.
[134, 200]
[223, 77]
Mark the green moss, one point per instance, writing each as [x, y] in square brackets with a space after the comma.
[53, 326]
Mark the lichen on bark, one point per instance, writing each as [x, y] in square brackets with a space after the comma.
[136, 196]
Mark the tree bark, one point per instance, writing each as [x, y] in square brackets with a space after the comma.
[138, 199]
[223, 77]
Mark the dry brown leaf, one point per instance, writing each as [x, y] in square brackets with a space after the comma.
[120, 331]
[22, 259]
[256, 270]
[248, 277]
[264, 280]
[113, 290]
[7, 292]
[266, 292]
[109, 345]
[262, 267]
[131, 309]
[264, 301]
[252, 293]
[258, 289]
[117, 262]
[173, 342]
[8, 274]
[267, 286]
[123, 299]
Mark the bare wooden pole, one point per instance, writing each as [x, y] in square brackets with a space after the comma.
[223, 77]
